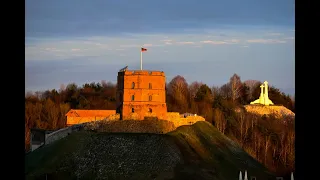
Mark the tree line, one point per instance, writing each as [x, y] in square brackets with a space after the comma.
[266, 138]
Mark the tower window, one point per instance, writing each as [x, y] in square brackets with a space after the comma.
[132, 98]
[150, 86]
[150, 110]
[132, 85]
[132, 110]
[150, 98]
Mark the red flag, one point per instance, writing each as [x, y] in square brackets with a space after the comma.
[143, 49]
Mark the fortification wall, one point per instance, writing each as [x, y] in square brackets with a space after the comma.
[173, 117]
[56, 135]
[179, 121]
[80, 120]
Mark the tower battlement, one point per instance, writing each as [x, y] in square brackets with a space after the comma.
[142, 72]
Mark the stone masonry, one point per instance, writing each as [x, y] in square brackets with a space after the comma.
[141, 93]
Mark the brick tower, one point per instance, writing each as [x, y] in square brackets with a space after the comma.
[141, 93]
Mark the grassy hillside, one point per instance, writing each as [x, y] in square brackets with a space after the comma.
[208, 153]
[199, 151]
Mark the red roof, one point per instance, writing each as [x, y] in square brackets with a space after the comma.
[89, 113]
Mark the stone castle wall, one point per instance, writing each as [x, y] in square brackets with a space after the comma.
[173, 117]
[71, 120]
[179, 121]
[141, 94]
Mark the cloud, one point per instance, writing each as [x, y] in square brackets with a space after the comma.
[291, 38]
[166, 40]
[232, 41]
[266, 41]
[152, 45]
[274, 34]
[50, 49]
[213, 42]
[244, 46]
[185, 42]
[147, 45]
[108, 46]
[129, 45]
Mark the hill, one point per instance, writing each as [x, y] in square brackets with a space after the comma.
[278, 111]
[199, 151]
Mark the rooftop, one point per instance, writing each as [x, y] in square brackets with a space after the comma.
[88, 113]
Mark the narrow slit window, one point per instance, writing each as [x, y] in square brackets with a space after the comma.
[132, 110]
[150, 86]
[133, 85]
[150, 98]
[132, 98]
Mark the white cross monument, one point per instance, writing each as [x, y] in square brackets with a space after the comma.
[264, 97]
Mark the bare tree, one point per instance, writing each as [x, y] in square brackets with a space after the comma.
[215, 91]
[283, 153]
[104, 83]
[219, 120]
[62, 88]
[225, 91]
[259, 142]
[290, 146]
[236, 87]
[247, 125]
[38, 94]
[251, 84]
[178, 89]
[241, 122]
[29, 94]
[52, 113]
[267, 145]
[193, 89]
[274, 153]
[64, 108]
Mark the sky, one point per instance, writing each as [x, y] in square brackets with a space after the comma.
[81, 41]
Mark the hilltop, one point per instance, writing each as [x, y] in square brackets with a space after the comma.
[198, 151]
[277, 110]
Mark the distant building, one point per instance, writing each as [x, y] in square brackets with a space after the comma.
[141, 93]
[77, 116]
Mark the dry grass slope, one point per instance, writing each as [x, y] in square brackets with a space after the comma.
[278, 111]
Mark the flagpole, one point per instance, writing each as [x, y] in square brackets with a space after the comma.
[141, 58]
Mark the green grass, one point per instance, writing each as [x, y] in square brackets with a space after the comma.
[205, 154]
